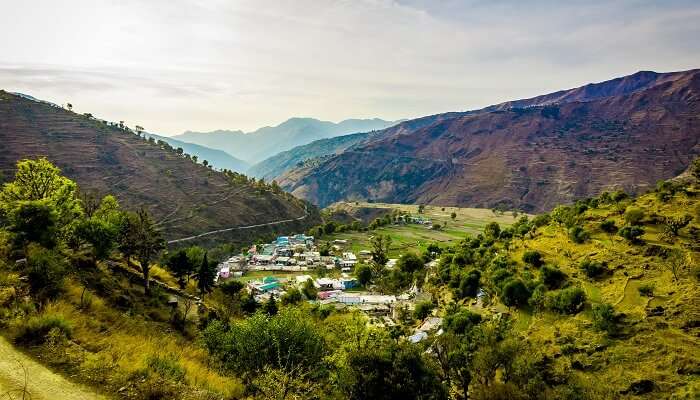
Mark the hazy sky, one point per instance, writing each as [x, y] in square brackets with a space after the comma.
[175, 65]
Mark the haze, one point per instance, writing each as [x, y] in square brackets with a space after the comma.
[203, 65]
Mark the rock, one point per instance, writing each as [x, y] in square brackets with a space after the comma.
[642, 386]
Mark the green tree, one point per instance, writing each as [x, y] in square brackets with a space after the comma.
[604, 318]
[380, 250]
[608, 226]
[533, 257]
[46, 271]
[270, 307]
[515, 293]
[410, 262]
[634, 215]
[632, 233]
[206, 275]
[492, 230]
[139, 236]
[34, 221]
[39, 180]
[423, 309]
[421, 208]
[453, 215]
[180, 265]
[363, 273]
[309, 290]
[292, 296]
[100, 234]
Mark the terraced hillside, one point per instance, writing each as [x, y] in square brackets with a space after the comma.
[186, 198]
[530, 154]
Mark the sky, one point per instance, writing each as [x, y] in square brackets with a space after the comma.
[201, 65]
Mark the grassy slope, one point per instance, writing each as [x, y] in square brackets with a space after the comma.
[416, 237]
[665, 349]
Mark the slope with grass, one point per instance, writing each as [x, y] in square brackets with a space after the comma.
[649, 345]
[186, 198]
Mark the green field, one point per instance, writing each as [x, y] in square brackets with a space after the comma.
[415, 237]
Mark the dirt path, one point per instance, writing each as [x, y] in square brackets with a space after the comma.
[42, 383]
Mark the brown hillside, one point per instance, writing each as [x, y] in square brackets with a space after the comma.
[186, 198]
[626, 133]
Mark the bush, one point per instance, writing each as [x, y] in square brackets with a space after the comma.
[410, 262]
[647, 289]
[36, 329]
[552, 277]
[566, 301]
[608, 226]
[578, 235]
[592, 269]
[515, 293]
[541, 220]
[632, 233]
[634, 215]
[462, 321]
[539, 295]
[604, 318]
[46, 270]
[293, 296]
[534, 258]
[167, 367]
[423, 309]
[469, 284]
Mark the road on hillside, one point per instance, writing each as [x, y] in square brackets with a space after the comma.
[41, 383]
[235, 228]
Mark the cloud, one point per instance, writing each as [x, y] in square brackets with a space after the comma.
[175, 65]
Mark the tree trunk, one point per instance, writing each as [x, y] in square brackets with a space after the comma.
[146, 281]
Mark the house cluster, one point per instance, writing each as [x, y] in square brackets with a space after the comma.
[296, 253]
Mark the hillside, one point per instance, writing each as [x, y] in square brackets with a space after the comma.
[272, 167]
[530, 155]
[265, 142]
[185, 198]
[217, 158]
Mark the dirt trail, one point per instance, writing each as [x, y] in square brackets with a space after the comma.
[42, 383]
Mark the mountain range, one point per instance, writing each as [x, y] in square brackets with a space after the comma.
[531, 154]
[185, 198]
[218, 158]
[262, 143]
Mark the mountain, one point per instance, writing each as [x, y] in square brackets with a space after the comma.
[218, 158]
[528, 154]
[185, 198]
[272, 167]
[264, 142]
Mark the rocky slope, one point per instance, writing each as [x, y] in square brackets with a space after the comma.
[529, 154]
[185, 198]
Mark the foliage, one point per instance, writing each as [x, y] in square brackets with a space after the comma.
[410, 262]
[363, 273]
[36, 329]
[181, 266]
[592, 269]
[634, 215]
[552, 276]
[288, 341]
[492, 230]
[604, 318]
[515, 293]
[423, 309]
[309, 290]
[534, 258]
[380, 250]
[139, 236]
[292, 296]
[206, 275]
[632, 233]
[100, 234]
[646, 289]
[566, 301]
[46, 270]
[578, 234]
[462, 321]
[34, 221]
[608, 226]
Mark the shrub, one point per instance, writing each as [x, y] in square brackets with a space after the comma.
[36, 329]
[646, 290]
[515, 293]
[167, 367]
[537, 300]
[604, 318]
[552, 277]
[632, 233]
[534, 258]
[46, 271]
[566, 301]
[541, 220]
[592, 269]
[608, 226]
[462, 321]
[423, 309]
[469, 284]
[633, 215]
[578, 235]
[293, 296]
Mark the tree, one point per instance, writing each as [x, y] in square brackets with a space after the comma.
[410, 262]
[675, 262]
[100, 234]
[674, 224]
[608, 226]
[453, 215]
[270, 307]
[138, 129]
[69, 106]
[205, 163]
[423, 309]
[206, 275]
[138, 236]
[46, 271]
[39, 180]
[179, 264]
[380, 250]
[34, 221]
[515, 293]
[604, 318]
[293, 296]
[632, 233]
[578, 235]
[194, 158]
[309, 290]
[179, 150]
[492, 230]
[634, 215]
[695, 168]
[364, 274]
[421, 208]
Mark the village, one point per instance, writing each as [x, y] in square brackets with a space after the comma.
[270, 270]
